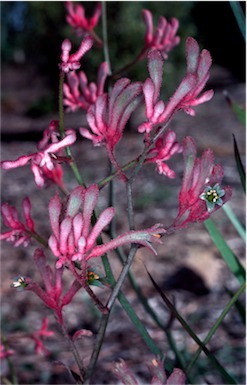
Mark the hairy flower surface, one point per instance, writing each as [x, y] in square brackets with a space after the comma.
[197, 74]
[197, 199]
[44, 164]
[164, 38]
[108, 116]
[77, 19]
[74, 239]
[186, 95]
[20, 233]
[165, 148]
[72, 62]
[78, 93]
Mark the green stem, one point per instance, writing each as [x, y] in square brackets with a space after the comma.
[62, 131]
[110, 177]
[74, 351]
[60, 103]
[105, 36]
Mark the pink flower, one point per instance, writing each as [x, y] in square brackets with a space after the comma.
[39, 335]
[159, 377]
[165, 147]
[197, 74]
[44, 163]
[77, 19]
[108, 116]
[199, 174]
[164, 38]
[52, 286]
[74, 239]
[5, 352]
[79, 94]
[156, 369]
[21, 233]
[185, 97]
[71, 62]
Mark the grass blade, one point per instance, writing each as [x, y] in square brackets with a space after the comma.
[233, 300]
[239, 164]
[234, 220]
[228, 255]
[227, 377]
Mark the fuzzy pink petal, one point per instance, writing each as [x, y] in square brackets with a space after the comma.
[155, 67]
[85, 46]
[54, 208]
[148, 20]
[103, 220]
[26, 206]
[75, 201]
[90, 201]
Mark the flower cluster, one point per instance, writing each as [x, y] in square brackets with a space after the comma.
[77, 234]
[72, 62]
[185, 97]
[165, 147]
[197, 199]
[44, 163]
[20, 233]
[109, 114]
[74, 240]
[51, 293]
[164, 38]
[79, 94]
[77, 19]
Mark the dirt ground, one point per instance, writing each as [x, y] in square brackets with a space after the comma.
[188, 265]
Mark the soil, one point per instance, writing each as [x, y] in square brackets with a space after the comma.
[188, 266]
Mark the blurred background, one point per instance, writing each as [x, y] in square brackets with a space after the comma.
[32, 32]
[188, 265]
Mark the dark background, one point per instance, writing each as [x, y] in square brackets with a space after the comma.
[32, 32]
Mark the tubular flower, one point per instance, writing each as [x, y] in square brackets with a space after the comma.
[197, 199]
[20, 233]
[156, 369]
[51, 291]
[165, 148]
[197, 75]
[108, 116]
[164, 38]
[185, 97]
[77, 19]
[44, 163]
[73, 239]
[78, 93]
[71, 62]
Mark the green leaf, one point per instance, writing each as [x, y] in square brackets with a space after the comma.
[234, 220]
[233, 300]
[211, 357]
[240, 308]
[228, 255]
[239, 164]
